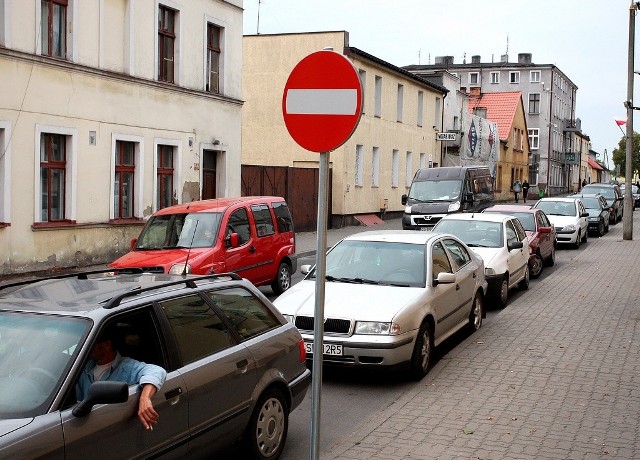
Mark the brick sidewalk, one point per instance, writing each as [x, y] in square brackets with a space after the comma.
[555, 375]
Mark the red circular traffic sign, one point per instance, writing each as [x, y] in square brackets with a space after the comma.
[322, 101]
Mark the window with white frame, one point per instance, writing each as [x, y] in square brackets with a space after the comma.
[56, 176]
[437, 114]
[534, 103]
[514, 76]
[362, 75]
[214, 58]
[534, 76]
[395, 165]
[420, 107]
[423, 160]
[474, 78]
[359, 165]
[408, 170]
[54, 27]
[378, 97]
[165, 176]
[126, 174]
[400, 106]
[534, 138]
[5, 167]
[495, 77]
[375, 167]
[167, 51]
[4, 25]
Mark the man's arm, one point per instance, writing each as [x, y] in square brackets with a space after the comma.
[146, 413]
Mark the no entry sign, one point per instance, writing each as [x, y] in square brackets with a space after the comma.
[322, 101]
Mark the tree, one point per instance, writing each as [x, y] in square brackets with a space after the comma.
[620, 154]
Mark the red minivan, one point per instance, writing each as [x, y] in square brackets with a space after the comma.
[251, 236]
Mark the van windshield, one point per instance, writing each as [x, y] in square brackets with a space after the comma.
[197, 230]
[435, 190]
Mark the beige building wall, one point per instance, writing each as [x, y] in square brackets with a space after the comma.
[268, 61]
[107, 90]
[514, 161]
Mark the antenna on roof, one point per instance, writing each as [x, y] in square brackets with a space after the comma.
[258, 26]
[186, 262]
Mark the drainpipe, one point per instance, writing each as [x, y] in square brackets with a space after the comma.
[549, 126]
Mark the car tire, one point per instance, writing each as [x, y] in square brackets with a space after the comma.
[477, 312]
[267, 430]
[578, 241]
[283, 279]
[619, 218]
[537, 266]
[585, 236]
[422, 352]
[502, 294]
[551, 260]
[606, 226]
[601, 228]
[523, 285]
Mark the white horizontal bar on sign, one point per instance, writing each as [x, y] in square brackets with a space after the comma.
[321, 101]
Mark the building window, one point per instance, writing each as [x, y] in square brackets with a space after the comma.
[166, 44]
[495, 77]
[420, 107]
[534, 103]
[534, 138]
[423, 160]
[165, 176]
[362, 74]
[514, 77]
[54, 28]
[400, 102]
[534, 76]
[124, 180]
[375, 167]
[474, 79]
[395, 160]
[53, 168]
[438, 115]
[5, 163]
[408, 171]
[359, 166]
[214, 35]
[378, 97]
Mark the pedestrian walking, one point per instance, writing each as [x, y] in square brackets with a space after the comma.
[517, 188]
[525, 190]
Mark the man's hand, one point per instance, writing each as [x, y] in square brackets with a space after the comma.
[146, 413]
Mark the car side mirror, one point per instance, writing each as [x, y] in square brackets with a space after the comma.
[102, 392]
[515, 245]
[132, 243]
[305, 269]
[584, 214]
[445, 278]
[232, 240]
[403, 200]
[544, 230]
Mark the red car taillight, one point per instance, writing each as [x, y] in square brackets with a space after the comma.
[302, 352]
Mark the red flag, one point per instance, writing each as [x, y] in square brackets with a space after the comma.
[620, 122]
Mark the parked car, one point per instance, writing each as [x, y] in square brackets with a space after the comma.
[390, 298]
[635, 192]
[612, 194]
[540, 233]
[598, 209]
[251, 236]
[568, 216]
[502, 243]
[235, 367]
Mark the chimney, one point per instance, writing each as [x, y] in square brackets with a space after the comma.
[475, 91]
[504, 58]
[480, 112]
[524, 58]
[444, 60]
[475, 59]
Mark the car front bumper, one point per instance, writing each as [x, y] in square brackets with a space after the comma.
[566, 237]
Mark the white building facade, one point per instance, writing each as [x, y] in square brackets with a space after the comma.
[109, 111]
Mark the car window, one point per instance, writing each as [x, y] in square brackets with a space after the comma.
[283, 217]
[520, 232]
[512, 236]
[248, 315]
[239, 223]
[198, 330]
[439, 260]
[527, 220]
[263, 219]
[458, 252]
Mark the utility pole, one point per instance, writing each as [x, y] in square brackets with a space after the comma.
[258, 26]
[627, 220]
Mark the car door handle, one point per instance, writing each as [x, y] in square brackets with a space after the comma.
[252, 249]
[242, 364]
[474, 275]
[173, 393]
[457, 287]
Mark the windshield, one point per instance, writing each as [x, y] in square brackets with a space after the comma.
[376, 262]
[591, 203]
[557, 208]
[435, 190]
[607, 192]
[197, 230]
[36, 352]
[476, 233]
[526, 218]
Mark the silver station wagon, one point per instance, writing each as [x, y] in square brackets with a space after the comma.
[235, 368]
[390, 297]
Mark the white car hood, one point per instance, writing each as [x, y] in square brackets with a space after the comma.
[561, 221]
[345, 300]
[488, 255]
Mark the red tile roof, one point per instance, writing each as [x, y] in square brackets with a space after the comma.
[594, 164]
[501, 109]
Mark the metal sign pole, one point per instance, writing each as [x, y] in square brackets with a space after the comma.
[318, 319]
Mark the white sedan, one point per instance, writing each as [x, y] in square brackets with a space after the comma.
[390, 298]
[501, 241]
[569, 217]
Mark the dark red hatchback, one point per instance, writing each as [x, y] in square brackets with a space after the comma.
[540, 233]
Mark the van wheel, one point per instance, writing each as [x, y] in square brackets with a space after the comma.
[283, 279]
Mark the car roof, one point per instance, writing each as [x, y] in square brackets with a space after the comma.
[397, 236]
[560, 198]
[214, 205]
[511, 208]
[480, 216]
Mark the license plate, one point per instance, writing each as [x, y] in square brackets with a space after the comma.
[331, 349]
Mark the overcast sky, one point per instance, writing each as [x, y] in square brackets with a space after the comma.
[587, 40]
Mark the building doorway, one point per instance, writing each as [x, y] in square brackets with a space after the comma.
[209, 184]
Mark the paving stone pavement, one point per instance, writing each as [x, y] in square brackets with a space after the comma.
[555, 375]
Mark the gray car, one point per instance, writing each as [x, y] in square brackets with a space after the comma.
[235, 367]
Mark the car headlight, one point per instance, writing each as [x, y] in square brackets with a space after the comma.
[453, 207]
[376, 328]
[179, 269]
[594, 219]
[569, 228]
[489, 272]
[407, 210]
[289, 318]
